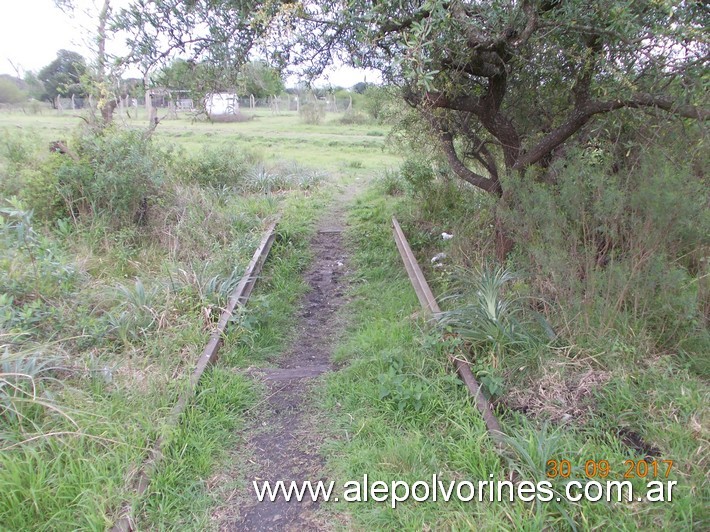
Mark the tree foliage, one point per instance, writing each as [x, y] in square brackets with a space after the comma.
[259, 79]
[504, 85]
[35, 88]
[63, 76]
[182, 75]
[10, 91]
[199, 78]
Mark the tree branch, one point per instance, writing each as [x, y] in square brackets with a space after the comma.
[581, 115]
[462, 103]
[530, 25]
[648, 100]
[460, 169]
[479, 151]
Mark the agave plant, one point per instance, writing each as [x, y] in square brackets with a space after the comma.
[262, 180]
[135, 311]
[485, 313]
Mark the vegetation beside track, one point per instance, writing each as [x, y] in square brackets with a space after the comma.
[601, 353]
[116, 260]
[401, 414]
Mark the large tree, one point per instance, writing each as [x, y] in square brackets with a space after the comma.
[503, 85]
[259, 79]
[63, 76]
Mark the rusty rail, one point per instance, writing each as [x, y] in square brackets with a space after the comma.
[428, 302]
[239, 296]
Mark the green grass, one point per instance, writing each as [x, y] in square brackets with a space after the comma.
[331, 146]
[121, 315]
[398, 413]
[178, 496]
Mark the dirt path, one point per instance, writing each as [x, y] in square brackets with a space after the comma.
[283, 436]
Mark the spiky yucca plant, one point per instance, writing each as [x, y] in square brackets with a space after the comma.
[485, 312]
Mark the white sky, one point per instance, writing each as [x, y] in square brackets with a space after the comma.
[32, 31]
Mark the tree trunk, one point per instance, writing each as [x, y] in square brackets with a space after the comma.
[105, 95]
[503, 241]
[107, 112]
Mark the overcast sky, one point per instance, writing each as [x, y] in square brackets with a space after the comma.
[31, 32]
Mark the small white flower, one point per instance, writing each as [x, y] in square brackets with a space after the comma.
[446, 236]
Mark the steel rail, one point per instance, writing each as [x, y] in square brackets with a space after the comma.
[239, 297]
[428, 303]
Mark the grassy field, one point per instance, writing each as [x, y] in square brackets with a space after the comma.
[102, 317]
[351, 149]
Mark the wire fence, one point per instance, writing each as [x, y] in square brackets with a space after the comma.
[171, 104]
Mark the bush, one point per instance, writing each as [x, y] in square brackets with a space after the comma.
[216, 167]
[118, 174]
[354, 118]
[617, 252]
[40, 191]
[375, 102]
[10, 93]
[419, 175]
[17, 151]
[312, 112]
[391, 183]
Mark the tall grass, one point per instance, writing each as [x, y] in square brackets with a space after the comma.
[114, 262]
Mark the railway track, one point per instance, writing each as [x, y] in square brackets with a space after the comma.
[429, 304]
[140, 481]
[300, 369]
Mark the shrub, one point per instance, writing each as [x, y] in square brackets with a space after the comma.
[419, 175]
[354, 118]
[40, 190]
[215, 167]
[375, 102]
[312, 112]
[391, 183]
[118, 175]
[17, 151]
[618, 252]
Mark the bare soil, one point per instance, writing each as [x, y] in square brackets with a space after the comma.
[283, 436]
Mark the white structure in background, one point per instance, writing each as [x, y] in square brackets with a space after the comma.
[222, 103]
[185, 104]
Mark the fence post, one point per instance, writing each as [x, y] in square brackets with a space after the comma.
[149, 104]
